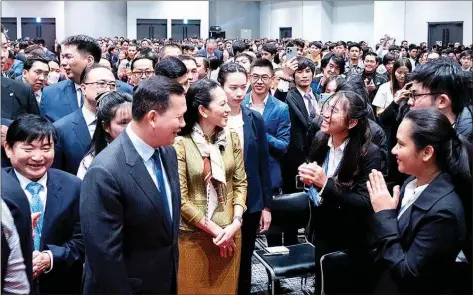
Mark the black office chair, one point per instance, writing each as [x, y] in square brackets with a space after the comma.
[288, 212]
[336, 273]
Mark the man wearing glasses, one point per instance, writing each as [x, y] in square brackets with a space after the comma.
[35, 74]
[141, 69]
[76, 130]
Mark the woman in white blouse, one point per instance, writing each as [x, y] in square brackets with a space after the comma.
[387, 91]
[113, 114]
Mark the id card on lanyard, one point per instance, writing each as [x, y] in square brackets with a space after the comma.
[313, 191]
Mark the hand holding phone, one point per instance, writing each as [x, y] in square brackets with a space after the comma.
[291, 52]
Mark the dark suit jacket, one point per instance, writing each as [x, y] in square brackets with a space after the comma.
[5, 160]
[217, 53]
[61, 234]
[59, 100]
[124, 87]
[416, 254]
[130, 245]
[256, 159]
[19, 206]
[278, 128]
[298, 146]
[17, 99]
[73, 142]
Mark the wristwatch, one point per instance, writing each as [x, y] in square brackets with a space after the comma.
[239, 219]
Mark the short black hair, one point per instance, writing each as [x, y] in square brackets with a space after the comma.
[262, 63]
[188, 47]
[23, 45]
[85, 45]
[387, 58]
[299, 43]
[238, 46]
[205, 61]
[184, 57]
[341, 43]
[338, 60]
[357, 45]
[28, 128]
[412, 47]
[316, 44]
[466, 53]
[110, 49]
[86, 72]
[171, 67]
[305, 62]
[370, 54]
[153, 94]
[168, 45]
[31, 60]
[132, 65]
[270, 48]
[445, 76]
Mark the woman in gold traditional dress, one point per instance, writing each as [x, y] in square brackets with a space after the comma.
[213, 191]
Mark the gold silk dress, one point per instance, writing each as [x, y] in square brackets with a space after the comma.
[201, 268]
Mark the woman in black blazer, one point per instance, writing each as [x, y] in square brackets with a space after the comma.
[419, 232]
[341, 156]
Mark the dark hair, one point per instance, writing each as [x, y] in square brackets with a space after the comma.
[214, 62]
[168, 45]
[188, 47]
[270, 47]
[358, 145]
[132, 66]
[412, 47]
[452, 154]
[171, 67]
[148, 53]
[153, 94]
[400, 63]
[23, 45]
[28, 128]
[229, 68]
[338, 60]
[387, 58]
[316, 44]
[110, 49]
[107, 105]
[445, 76]
[85, 45]
[184, 57]
[357, 45]
[238, 46]
[341, 43]
[262, 63]
[205, 61]
[199, 94]
[357, 85]
[370, 54]
[299, 43]
[305, 62]
[394, 48]
[31, 60]
[86, 72]
[34, 51]
[466, 53]
[250, 58]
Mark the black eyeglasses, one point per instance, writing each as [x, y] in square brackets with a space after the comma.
[146, 73]
[103, 84]
[415, 97]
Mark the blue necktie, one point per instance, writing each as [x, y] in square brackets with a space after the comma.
[161, 184]
[36, 206]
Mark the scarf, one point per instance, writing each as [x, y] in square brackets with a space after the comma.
[214, 169]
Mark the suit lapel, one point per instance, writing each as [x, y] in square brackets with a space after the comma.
[7, 100]
[81, 130]
[170, 167]
[70, 94]
[247, 132]
[268, 108]
[298, 105]
[54, 200]
[141, 176]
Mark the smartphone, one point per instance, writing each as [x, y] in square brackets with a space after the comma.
[291, 52]
[323, 98]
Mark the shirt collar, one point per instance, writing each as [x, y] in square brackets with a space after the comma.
[77, 86]
[303, 93]
[25, 181]
[341, 147]
[264, 101]
[88, 116]
[144, 150]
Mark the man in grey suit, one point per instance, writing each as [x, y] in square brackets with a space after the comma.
[130, 199]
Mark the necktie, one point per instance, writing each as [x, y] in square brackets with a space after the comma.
[162, 186]
[79, 93]
[311, 106]
[36, 206]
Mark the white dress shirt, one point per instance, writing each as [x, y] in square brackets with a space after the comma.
[236, 123]
[84, 166]
[257, 107]
[38, 95]
[384, 96]
[90, 120]
[315, 103]
[413, 63]
[334, 158]
[79, 95]
[43, 193]
[411, 193]
[146, 153]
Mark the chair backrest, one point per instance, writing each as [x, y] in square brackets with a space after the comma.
[336, 273]
[289, 211]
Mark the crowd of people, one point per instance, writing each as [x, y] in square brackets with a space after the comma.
[150, 166]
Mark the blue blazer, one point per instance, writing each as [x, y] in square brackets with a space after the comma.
[73, 142]
[60, 99]
[61, 234]
[256, 160]
[277, 126]
[217, 53]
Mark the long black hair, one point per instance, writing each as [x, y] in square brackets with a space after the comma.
[230, 68]
[199, 94]
[400, 63]
[358, 145]
[107, 105]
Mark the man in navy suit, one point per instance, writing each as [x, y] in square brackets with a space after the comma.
[76, 130]
[63, 98]
[131, 200]
[58, 247]
[211, 50]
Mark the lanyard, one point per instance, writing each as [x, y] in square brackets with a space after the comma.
[326, 164]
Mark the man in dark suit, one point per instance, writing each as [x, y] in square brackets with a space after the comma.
[19, 207]
[63, 98]
[211, 50]
[58, 247]
[76, 130]
[130, 199]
